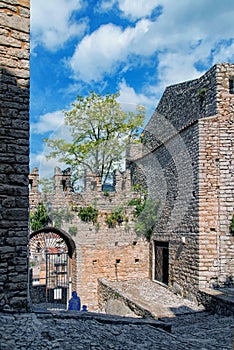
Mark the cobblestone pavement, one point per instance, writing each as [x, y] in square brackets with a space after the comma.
[89, 331]
[203, 330]
[191, 327]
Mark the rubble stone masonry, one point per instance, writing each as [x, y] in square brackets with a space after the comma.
[188, 166]
[14, 152]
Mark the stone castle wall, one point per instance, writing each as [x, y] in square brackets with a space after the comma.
[187, 167]
[14, 152]
[115, 253]
[216, 192]
[182, 146]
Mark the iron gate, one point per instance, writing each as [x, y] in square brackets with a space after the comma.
[57, 280]
[49, 264]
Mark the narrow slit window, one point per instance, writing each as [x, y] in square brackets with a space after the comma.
[231, 85]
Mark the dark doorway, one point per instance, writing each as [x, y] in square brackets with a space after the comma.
[161, 261]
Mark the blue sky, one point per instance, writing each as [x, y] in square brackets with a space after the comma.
[134, 47]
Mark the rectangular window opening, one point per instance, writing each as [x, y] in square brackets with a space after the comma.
[231, 85]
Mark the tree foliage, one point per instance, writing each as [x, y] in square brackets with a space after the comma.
[88, 214]
[39, 218]
[46, 184]
[115, 217]
[146, 213]
[101, 131]
[60, 216]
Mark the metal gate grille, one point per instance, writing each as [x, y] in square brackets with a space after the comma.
[57, 281]
[161, 261]
[49, 263]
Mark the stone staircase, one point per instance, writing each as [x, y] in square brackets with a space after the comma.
[191, 326]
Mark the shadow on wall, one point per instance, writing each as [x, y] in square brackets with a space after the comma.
[228, 283]
[182, 311]
[14, 169]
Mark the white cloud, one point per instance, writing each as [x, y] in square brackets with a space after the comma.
[132, 10]
[175, 68]
[226, 51]
[186, 32]
[129, 99]
[52, 123]
[52, 24]
[96, 53]
[137, 9]
[48, 122]
[102, 51]
[45, 166]
[105, 5]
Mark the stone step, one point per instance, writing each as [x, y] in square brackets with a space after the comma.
[184, 320]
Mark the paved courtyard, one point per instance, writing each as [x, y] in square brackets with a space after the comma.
[89, 331]
[181, 325]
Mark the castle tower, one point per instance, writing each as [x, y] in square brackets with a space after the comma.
[14, 153]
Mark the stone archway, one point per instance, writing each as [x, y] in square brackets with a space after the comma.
[52, 265]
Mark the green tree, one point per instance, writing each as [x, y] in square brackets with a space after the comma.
[146, 214]
[60, 216]
[39, 218]
[47, 184]
[101, 131]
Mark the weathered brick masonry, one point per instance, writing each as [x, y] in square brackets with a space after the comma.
[216, 190]
[115, 253]
[14, 152]
[188, 166]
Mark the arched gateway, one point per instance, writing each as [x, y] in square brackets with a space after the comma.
[51, 268]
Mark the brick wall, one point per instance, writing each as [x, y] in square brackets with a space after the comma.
[14, 152]
[101, 252]
[111, 253]
[216, 193]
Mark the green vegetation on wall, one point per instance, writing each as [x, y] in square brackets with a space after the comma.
[60, 216]
[146, 214]
[72, 230]
[88, 214]
[39, 218]
[147, 219]
[116, 217]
